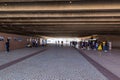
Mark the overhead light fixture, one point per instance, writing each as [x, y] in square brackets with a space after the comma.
[70, 1]
[5, 4]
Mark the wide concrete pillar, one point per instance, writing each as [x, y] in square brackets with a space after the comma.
[16, 41]
[112, 38]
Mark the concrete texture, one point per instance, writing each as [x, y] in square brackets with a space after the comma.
[57, 63]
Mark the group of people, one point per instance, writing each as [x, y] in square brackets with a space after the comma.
[33, 43]
[73, 43]
[59, 43]
[36, 43]
[90, 44]
[95, 45]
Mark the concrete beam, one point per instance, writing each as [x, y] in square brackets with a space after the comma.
[38, 6]
[32, 0]
[46, 20]
[64, 23]
[30, 14]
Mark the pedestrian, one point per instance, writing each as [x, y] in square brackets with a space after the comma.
[106, 46]
[96, 45]
[7, 45]
[61, 43]
[110, 46]
[100, 47]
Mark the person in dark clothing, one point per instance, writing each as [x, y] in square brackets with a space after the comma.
[74, 43]
[61, 43]
[7, 45]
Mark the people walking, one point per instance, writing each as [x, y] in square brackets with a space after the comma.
[7, 45]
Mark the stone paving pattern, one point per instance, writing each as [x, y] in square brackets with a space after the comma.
[57, 63]
[110, 60]
[15, 54]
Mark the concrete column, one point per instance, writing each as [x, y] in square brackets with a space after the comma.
[114, 39]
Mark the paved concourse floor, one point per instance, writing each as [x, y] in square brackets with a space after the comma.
[16, 54]
[55, 63]
[109, 60]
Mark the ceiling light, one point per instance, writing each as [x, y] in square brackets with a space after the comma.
[70, 1]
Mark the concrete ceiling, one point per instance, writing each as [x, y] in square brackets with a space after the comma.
[60, 17]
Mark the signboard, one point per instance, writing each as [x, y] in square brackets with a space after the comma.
[2, 38]
[9, 38]
[18, 39]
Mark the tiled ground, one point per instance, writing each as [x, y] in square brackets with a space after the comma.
[110, 60]
[15, 54]
[57, 63]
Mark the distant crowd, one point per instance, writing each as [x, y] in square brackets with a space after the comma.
[93, 45]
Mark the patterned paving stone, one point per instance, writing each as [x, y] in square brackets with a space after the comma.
[57, 63]
[15, 54]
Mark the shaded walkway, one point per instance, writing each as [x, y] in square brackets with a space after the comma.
[16, 54]
[110, 60]
[57, 63]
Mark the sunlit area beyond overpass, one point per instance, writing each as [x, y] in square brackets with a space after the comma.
[66, 41]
